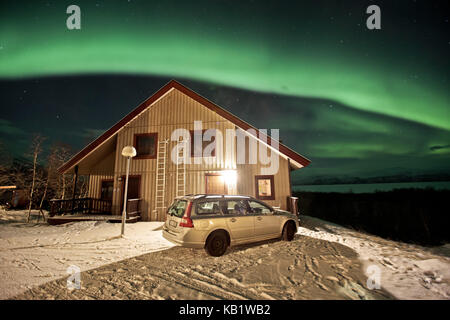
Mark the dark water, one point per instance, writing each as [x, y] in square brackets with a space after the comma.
[372, 187]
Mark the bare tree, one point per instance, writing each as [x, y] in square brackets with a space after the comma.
[6, 179]
[62, 153]
[36, 150]
[55, 183]
[84, 188]
[4, 175]
[63, 193]
[52, 166]
[5, 166]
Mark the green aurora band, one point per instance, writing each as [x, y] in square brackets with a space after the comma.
[228, 48]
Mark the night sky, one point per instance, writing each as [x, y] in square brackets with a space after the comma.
[357, 102]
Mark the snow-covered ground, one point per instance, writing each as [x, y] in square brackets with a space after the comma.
[407, 271]
[33, 254]
[324, 261]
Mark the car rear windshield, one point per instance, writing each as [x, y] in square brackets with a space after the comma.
[177, 208]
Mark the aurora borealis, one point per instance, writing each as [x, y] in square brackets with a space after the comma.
[356, 102]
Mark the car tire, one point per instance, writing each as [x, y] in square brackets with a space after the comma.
[288, 232]
[216, 244]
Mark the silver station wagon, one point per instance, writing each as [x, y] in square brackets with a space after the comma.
[215, 222]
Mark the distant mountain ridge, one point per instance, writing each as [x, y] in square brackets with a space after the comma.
[379, 179]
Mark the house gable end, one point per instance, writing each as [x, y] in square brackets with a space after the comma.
[167, 92]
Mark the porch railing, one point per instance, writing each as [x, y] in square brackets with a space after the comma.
[81, 205]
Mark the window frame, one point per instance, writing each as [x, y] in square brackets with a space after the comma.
[272, 187]
[149, 134]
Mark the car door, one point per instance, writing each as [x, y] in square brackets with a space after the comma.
[240, 222]
[266, 223]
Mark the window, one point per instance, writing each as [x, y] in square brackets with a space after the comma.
[237, 207]
[177, 208]
[196, 152]
[257, 207]
[265, 188]
[145, 144]
[208, 207]
[106, 192]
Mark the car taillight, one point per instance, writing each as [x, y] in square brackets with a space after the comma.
[186, 221]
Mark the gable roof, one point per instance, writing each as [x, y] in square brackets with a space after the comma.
[159, 94]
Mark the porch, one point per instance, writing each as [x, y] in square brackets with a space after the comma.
[90, 209]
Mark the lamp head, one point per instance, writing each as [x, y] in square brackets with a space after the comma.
[129, 151]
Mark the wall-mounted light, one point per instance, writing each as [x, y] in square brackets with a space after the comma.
[229, 176]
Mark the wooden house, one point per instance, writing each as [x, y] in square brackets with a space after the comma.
[155, 179]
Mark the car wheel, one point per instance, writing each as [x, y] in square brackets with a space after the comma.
[216, 244]
[288, 232]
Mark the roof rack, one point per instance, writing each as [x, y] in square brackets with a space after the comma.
[212, 196]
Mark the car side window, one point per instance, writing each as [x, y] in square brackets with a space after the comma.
[208, 208]
[259, 208]
[236, 207]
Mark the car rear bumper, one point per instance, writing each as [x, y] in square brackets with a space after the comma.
[182, 239]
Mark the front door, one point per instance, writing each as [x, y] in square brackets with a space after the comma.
[134, 186]
[215, 184]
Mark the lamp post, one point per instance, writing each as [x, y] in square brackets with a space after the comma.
[128, 152]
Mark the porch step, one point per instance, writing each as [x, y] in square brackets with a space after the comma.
[132, 219]
[134, 214]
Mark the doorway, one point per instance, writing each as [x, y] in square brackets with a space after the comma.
[134, 188]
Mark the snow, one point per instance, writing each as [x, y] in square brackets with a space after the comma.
[325, 261]
[407, 271]
[33, 254]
